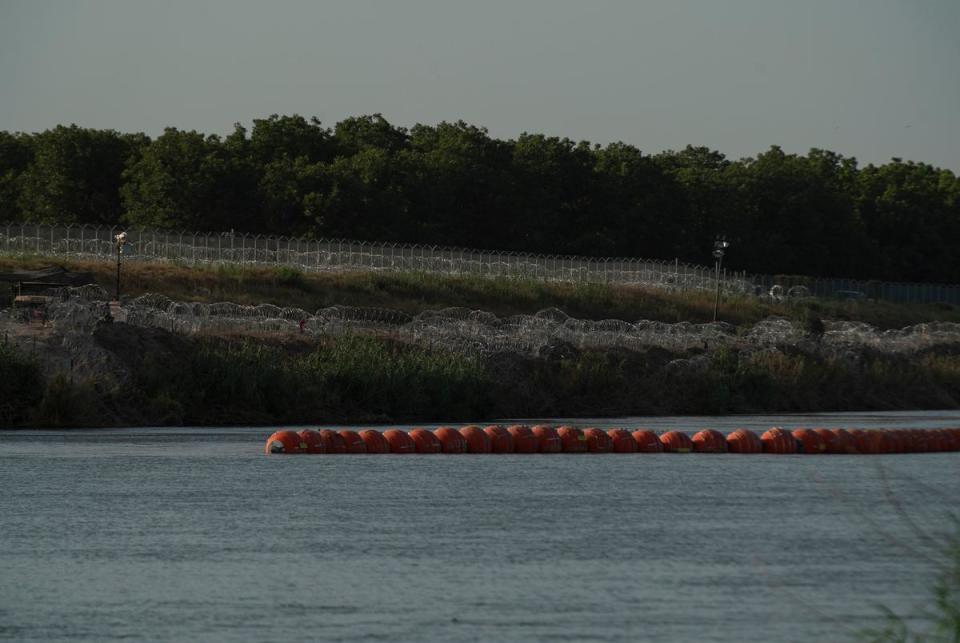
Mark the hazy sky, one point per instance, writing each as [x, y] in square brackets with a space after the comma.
[867, 78]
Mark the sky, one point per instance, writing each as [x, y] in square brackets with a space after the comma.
[873, 79]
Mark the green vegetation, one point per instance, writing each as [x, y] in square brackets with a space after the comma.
[170, 379]
[817, 214]
[20, 386]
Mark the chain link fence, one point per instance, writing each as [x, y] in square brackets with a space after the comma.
[98, 243]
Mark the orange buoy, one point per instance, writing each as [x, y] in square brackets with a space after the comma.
[676, 442]
[597, 441]
[903, 441]
[374, 441]
[950, 439]
[744, 441]
[500, 439]
[868, 442]
[887, 442]
[353, 441]
[572, 439]
[922, 442]
[285, 442]
[450, 440]
[956, 438]
[900, 441]
[425, 441]
[524, 441]
[399, 441]
[622, 441]
[809, 441]
[845, 442]
[830, 440]
[333, 442]
[312, 441]
[942, 440]
[709, 441]
[647, 441]
[777, 440]
[477, 440]
[548, 440]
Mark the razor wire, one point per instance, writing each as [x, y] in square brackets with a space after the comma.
[479, 332]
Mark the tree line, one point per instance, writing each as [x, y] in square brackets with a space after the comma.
[453, 184]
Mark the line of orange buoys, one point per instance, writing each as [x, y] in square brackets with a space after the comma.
[568, 439]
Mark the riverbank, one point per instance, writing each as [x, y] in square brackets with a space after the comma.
[124, 375]
[231, 365]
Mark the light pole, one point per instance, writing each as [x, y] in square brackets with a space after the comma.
[720, 244]
[121, 240]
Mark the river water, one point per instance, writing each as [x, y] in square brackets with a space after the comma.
[194, 534]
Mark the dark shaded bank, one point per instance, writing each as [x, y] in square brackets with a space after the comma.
[137, 376]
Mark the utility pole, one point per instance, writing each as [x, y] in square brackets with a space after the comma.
[720, 244]
[121, 240]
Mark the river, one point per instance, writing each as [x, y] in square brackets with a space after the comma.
[193, 533]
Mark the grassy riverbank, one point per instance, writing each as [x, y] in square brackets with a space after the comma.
[158, 378]
[414, 292]
[126, 375]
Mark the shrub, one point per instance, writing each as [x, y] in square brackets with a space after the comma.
[21, 385]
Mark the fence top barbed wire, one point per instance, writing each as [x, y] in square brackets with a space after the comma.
[87, 241]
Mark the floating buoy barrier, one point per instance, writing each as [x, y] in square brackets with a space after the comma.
[332, 441]
[709, 441]
[597, 441]
[524, 441]
[622, 441]
[285, 442]
[450, 440]
[845, 442]
[477, 440]
[809, 441]
[374, 441]
[572, 439]
[425, 442]
[744, 441]
[776, 440]
[543, 438]
[548, 440]
[352, 441]
[312, 441]
[500, 439]
[676, 442]
[647, 441]
[399, 441]
[866, 441]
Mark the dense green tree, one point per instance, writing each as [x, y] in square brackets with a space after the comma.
[361, 196]
[912, 219]
[16, 154]
[75, 175]
[185, 180]
[460, 185]
[639, 208]
[794, 213]
[352, 135]
[292, 137]
[452, 184]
